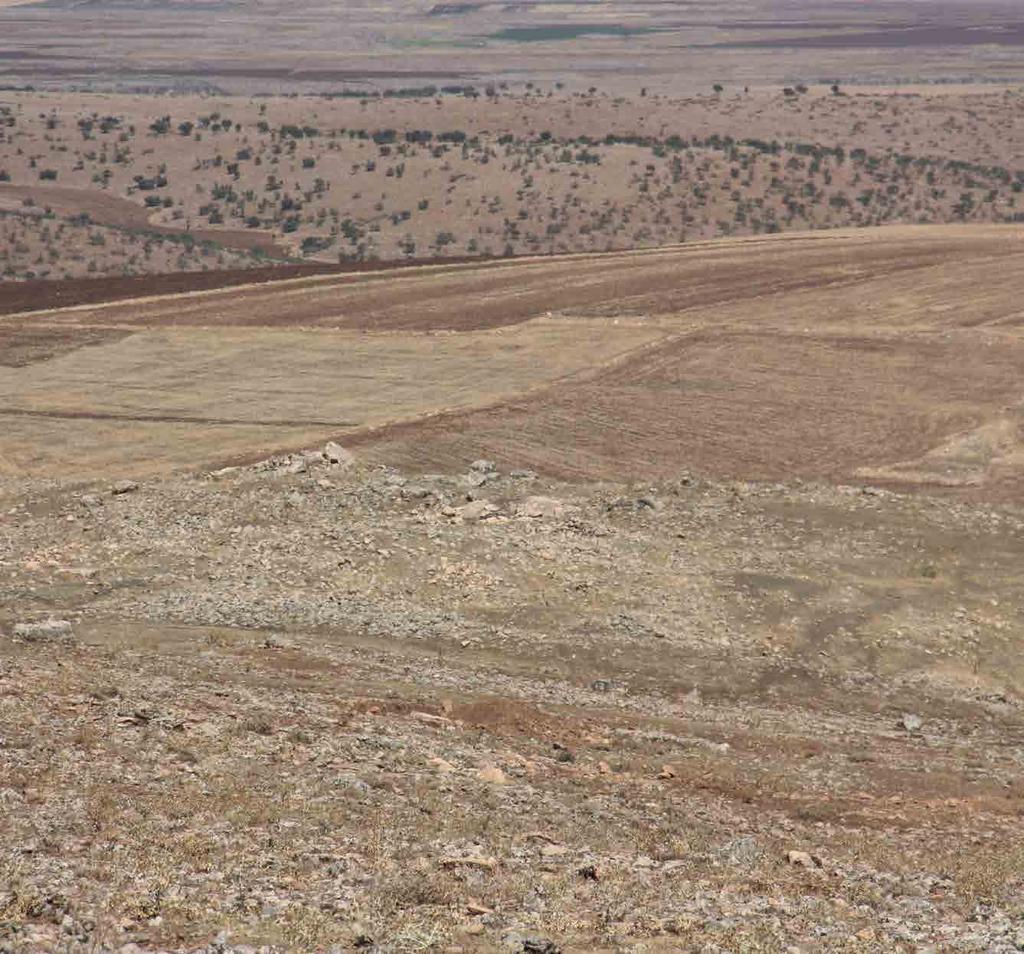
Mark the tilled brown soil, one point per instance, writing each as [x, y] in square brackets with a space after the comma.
[42, 295]
[484, 295]
[766, 406]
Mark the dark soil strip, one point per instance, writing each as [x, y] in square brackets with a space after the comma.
[17, 297]
[168, 418]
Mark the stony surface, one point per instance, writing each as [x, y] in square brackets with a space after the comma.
[304, 706]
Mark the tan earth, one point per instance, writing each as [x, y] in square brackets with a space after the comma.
[649, 600]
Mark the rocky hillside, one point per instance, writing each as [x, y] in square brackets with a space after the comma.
[319, 704]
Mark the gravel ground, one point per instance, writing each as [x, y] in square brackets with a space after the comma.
[312, 706]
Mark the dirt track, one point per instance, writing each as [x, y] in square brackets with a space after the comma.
[763, 368]
[105, 209]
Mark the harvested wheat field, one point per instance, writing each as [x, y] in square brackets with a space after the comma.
[647, 601]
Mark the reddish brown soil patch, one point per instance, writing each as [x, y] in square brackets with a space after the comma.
[510, 717]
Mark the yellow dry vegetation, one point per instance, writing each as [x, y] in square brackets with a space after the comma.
[169, 398]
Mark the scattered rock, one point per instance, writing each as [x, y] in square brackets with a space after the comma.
[362, 941]
[536, 945]
[802, 859]
[429, 717]
[477, 510]
[337, 455]
[911, 722]
[539, 507]
[518, 943]
[296, 465]
[355, 785]
[44, 631]
[124, 487]
[91, 501]
[254, 557]
[540, 836]
[513, 941]
[493, 775]
[485, 862]
[482, 466]
[386, 484]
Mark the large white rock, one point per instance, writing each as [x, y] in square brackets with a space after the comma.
[337, 455]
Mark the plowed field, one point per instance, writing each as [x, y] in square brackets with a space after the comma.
[890, 355]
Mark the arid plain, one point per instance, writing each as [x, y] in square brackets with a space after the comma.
[530, 478]
[622, 45]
